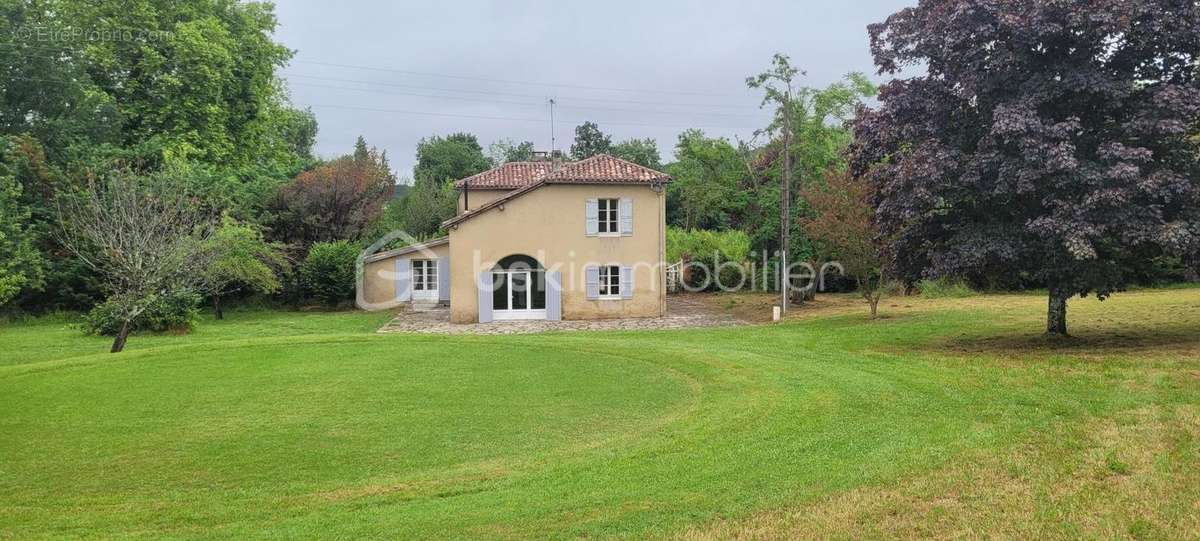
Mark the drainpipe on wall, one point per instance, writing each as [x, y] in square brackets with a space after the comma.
[466, 197]
[662, 248]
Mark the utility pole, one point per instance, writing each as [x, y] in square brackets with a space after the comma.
[777, 84]
[785, 202]
[552, 143]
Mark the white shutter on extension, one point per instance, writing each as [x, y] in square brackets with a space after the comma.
[403, 279]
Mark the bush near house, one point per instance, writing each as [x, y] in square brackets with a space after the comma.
[725, 252]
[327, 274]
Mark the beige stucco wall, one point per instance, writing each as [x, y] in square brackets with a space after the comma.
[379, 279]
[548, 224]
[478, 198]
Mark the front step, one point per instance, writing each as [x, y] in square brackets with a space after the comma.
[426, 306]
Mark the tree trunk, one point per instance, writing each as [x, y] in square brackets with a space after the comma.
[122, 335]
[874, 301]
[1056, 316]
[785, 201]
[217, 312]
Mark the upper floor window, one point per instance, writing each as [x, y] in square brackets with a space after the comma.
[607, 217]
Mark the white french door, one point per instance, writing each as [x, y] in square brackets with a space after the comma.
[518, 294]
[425, 280]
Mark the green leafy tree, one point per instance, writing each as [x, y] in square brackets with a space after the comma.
[20, 262]
[59, 281]
[590, 141]
[707, 173]
[297, 131]
[643, 152]
[441, 159]
[239, 258]
[820, 122]
[198, 83]
[48, 93]
[507, 150]
[423, 209]
[328, 272]
[188, 83]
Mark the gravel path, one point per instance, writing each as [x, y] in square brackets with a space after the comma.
[683, 312]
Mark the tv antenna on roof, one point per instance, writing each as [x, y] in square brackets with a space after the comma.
[552, 147]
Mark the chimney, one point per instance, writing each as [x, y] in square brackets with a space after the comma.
[556, 160]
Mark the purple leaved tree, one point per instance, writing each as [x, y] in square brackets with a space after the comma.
[1051, 138]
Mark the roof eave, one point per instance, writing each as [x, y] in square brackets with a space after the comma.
[406, 249]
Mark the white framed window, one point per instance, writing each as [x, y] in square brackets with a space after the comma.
[610, 282]
[608, 217]
[424, 275]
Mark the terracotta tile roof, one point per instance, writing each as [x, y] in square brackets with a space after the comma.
[605, 168]
[600, 168]
[509, 176]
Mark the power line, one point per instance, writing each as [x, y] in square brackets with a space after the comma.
[484, 92]
[511, 94]
[513, 119]
[527, 104]
[509, 81]
[429, 113]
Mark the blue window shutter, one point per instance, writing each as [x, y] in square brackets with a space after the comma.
[553, 295]
[626, 215]
[403, 279]
[443, 276]
[591, 281]
[484, 287]
[626, 282]
[591, 215]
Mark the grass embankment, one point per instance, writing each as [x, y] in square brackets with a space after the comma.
[947, 418]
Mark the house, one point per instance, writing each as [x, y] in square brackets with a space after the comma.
[538, 240]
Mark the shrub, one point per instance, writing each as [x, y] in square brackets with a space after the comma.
[944, 288]
[327, 274]
[725, 251]
[173, 311]
[733, 245]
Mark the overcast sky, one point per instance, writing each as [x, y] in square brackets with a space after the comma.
[395, 72]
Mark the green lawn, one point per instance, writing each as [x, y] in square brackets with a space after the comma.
[949, 418]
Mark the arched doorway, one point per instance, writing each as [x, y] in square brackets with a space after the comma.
[518, 288]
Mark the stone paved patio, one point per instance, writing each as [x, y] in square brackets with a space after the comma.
[683, 311]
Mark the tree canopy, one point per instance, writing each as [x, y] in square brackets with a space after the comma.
[643, 152]
[1046, 139]
[441, 159]
[590, 141]
[337, 200]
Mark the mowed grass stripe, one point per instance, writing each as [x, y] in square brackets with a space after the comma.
[622, 434]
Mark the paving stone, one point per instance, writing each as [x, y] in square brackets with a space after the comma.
[681, 314]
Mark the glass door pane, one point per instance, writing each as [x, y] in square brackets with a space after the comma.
[538, 290]
[520, 290]
[499, 291]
